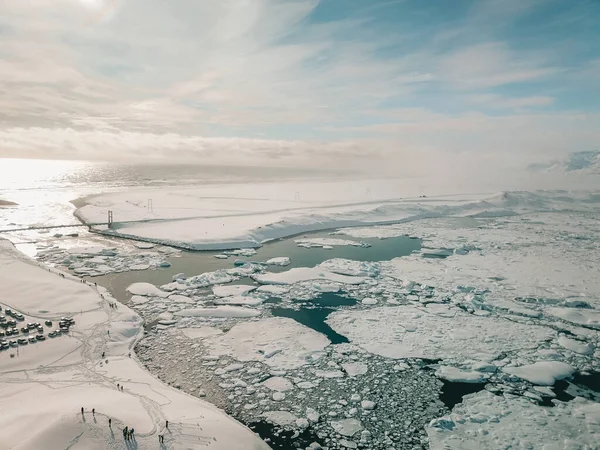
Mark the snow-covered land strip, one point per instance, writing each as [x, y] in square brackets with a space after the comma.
[233, 216]
[44, 385]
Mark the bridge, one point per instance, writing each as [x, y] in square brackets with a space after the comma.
[50, 227]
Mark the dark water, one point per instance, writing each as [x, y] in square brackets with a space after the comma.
[314, 312]
[283, 440]
[195, 263]
[452, 392]
[312, 318]
[587, 386]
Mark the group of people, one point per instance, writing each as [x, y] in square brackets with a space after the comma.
[128, 433]
[112, 305]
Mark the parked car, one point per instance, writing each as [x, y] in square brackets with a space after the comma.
[32, 340]
[52, 334]
[20, 317]
[48, 323]
[22, 341]
[40, 337]
[13, 343]
[40, 329]
[8, 312]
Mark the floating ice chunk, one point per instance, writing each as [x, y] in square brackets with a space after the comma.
[485, 420]
[138, 299]
[457, 375]
[369, 301]
[221, 256]
[272, 289]
[587, 317]
[180, 298]
[299, 274]
[433, 252]
[348, 444]
[485, 367]
[179, 276]
[281, 418]
[143, 245]
[276, 341]
[233, 368]
[219, 311]
[347, 427]
[576, 346]
[229, 291]
[280, 261]
[209, 278]
[248, 300]
[201, 332]
[329, 373]
[326, 287]
[146, 289]
[368, 405]
[305, 385]
[242, 252]
[463, 337]
[351, 267]
[355, 369]
[302, 423]
[312, 415]
[321, 242]
[279, 384]
[544, 373]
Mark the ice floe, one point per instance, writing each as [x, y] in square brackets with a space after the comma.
[299, 274]
[485, 420]
[218, 311]
[543, 373]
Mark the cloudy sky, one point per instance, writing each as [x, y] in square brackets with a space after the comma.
[497, 82]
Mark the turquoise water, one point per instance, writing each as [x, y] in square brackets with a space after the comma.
[195, 263]
[313, 313]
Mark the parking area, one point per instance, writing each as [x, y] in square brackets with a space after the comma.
[18, 330]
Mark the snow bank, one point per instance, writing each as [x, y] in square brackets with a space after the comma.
[276, 341]
[146, 289]
[543, 373]
[66, 373]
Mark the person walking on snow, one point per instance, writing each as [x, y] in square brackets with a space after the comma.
[94, 412]
[109, 422]
[82, 410]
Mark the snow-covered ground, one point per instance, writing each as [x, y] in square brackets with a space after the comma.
[233, 216]
[44, 385]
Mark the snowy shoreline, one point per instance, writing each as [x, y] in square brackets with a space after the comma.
[63, 374]
[209, 218]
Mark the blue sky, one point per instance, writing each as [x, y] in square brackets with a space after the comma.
[497, 82]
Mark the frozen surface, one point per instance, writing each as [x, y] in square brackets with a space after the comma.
[228, 291]
[278, 342]
[448, 333]
[300, 274]
[543, 373]
[485, 420]
[462, 376]
[219, 311]
[45, 385]
[233, 216]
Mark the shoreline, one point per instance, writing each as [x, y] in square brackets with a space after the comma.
[139, 404]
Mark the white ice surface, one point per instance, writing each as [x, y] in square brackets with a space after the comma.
[487, 421]
[299, 274]
[544, 373]
[146, 289]
[458, 375]
[448, 334]
[233, 216]
[228, 291]
[218, 311]
[276, 341]
[43, 387]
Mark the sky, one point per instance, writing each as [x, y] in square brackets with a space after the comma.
[403, 84]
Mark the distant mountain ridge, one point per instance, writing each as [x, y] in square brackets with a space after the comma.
[585, 162]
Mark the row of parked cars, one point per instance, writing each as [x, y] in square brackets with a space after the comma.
[10, 327]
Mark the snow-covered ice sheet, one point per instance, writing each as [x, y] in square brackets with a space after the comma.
[234, 216]
[543, 373]
[44, 386]
[299, 274]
